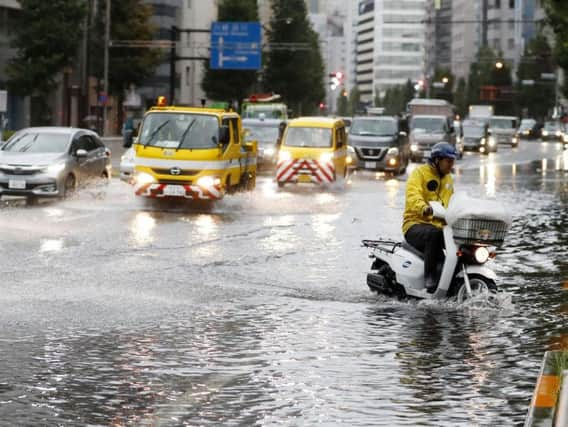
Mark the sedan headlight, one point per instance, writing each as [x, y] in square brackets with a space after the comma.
[481, 255]
[55, 169]
[326, 157]
[143, 178]
[208, 181]
[393, 151]
[284, 156]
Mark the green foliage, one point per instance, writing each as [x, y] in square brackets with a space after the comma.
[130, 20]
[231, 85]
[342, 104]
[397, 97]
[460, 98]
[297, 74]
[354, 101]
[441, 74]
[536, 100]
[47, 38]
[557, 12]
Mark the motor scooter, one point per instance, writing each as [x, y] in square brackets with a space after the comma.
[474, 230]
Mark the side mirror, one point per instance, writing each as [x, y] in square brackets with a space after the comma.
[224, 135]
[81, 153]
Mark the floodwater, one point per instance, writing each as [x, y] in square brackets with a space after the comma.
[255, 311]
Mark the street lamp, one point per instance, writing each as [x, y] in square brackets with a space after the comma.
[445, 80]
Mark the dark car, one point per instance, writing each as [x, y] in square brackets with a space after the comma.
[51, 161]
[477, 136]
[552, 131]
[267, 134]
[529, 129]
[379, 143]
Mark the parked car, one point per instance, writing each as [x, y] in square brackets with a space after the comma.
[504, 129]
[267, 134]
[552, 131]
[478, 137]
[51, 161]
[379, 143]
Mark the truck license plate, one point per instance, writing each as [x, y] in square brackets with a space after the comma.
[174, 190]
[370, 165]
[17, 184]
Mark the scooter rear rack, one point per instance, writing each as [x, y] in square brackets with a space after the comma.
[387, 246]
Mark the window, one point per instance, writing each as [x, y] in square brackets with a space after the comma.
[234, 123]
[511, 4]
[497, 4]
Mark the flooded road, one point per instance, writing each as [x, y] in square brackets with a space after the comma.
[255, 311]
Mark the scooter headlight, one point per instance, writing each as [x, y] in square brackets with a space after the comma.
[481, 255]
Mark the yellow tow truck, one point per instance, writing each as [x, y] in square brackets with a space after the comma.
[192, 153]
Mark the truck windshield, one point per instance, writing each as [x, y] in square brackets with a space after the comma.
[503, 123]
[380, 127]
[429, 124]
[473, 131]
[262, 133]
[267, 111]
[308, 137]
[180, 130]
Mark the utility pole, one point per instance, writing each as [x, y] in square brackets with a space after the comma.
[175, 31]
[484, 24]
[106, 64]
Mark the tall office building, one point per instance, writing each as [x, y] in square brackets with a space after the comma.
[438, 49]
[390, 44]
[466, 35]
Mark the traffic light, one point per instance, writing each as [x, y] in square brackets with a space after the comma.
[336, 79]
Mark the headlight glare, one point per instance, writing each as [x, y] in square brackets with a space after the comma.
[326, 157]
[481, 255]
[393, 151]
[208, 181]
[55, 169]
[284, 156]
[143, 178]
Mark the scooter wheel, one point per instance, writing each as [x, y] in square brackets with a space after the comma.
[481, 288]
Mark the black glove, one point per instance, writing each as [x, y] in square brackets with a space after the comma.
[427, 211]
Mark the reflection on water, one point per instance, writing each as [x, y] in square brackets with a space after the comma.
[279, 328]
[51, 245]
[141, 228]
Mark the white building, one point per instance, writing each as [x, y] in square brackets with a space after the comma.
[390, 44]
[466, 35]
[195, 15]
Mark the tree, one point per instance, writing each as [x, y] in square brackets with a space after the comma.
[537, 98]
[130, 20]
[294, 67]
[354, 101]
[231, 85]
[47, 40]
[557, 12]
[342, 103]
[442, 84]
[460, 98]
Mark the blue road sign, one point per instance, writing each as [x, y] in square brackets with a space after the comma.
[235, 46]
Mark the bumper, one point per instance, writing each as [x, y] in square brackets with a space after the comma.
[39, 185]
[305, 170]
[159, 190]
[389, 164]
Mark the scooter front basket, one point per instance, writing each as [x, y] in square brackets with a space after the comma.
[479, 231]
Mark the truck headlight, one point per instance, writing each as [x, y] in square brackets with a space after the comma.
[482, 141]
[558, 133]
[284, 156]
[326, 157]
[491, 141]
[143, 178]
[208, 181]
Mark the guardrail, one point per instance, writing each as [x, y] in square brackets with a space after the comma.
[549, 405]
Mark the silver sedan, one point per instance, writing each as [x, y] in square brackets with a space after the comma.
[51, 161]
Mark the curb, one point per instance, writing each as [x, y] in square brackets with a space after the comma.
[549, 404]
